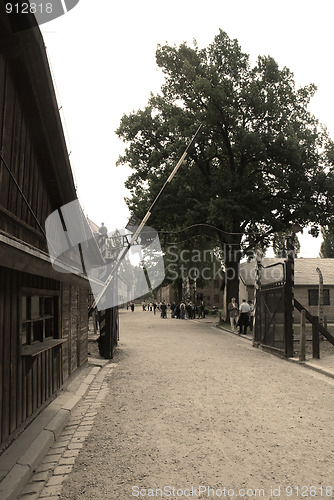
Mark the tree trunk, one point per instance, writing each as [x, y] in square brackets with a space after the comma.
[232, 255]
[179, 289]
[232, 283]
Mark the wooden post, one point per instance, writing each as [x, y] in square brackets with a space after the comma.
[325, 322]
[315, 338]
[289, 305]
[320, 297]
[95, 322]
[302, 336]
[256, 323]
[106, 334]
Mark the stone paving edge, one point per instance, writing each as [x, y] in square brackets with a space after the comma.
[20, 459]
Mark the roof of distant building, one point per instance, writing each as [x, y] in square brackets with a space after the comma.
[94, 227]
[305, 271]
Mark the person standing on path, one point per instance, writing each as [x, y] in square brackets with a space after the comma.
[251, 315]
[182, 311]
[163, 308]
[201, 314]
[233, 313]
[244, 311]
[189, 310]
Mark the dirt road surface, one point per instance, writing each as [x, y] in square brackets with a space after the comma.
[195, 412]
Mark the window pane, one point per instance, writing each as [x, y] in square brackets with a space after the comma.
[37, 331]
[313, 297]
[39, 315]
[49, 327]
[35, 307]
[24, 309]
[25, 333]
[41, 306]
[48, 306]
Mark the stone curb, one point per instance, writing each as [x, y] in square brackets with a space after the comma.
[22, 457]
[234, 333]
[311, 365]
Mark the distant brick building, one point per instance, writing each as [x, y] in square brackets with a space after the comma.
[212, 294]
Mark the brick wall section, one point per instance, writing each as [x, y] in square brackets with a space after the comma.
[212, 294]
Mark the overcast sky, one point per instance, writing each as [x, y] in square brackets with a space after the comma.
[102, 55]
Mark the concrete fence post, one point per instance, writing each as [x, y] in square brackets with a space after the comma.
[315, 338]
[302, 336]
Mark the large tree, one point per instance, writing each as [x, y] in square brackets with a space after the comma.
[280, 247]
[327, 245]
[260, 164]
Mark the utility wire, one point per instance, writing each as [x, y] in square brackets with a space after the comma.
[191, 238]
[210, 226]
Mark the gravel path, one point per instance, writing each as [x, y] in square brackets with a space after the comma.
[190, 406]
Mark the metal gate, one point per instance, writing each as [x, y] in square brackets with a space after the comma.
[270, 317]
[274, 311]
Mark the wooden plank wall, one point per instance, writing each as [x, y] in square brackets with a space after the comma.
[83, 326]
[27, 382]
[74, 322]
[18, 150]
[74, 327]
[66, 329]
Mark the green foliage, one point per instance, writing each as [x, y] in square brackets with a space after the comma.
[279, 244]
[260, 164]
[194, 259]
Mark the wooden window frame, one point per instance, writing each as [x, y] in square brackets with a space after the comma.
[316, 291]
[32, 347]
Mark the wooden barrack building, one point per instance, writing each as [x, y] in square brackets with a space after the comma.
[43, 313]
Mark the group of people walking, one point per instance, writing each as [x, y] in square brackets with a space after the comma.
[188, 310]
[241, 316]
[180, 310]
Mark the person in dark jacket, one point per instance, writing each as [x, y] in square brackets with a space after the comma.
[163, 308]
[243, 322]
